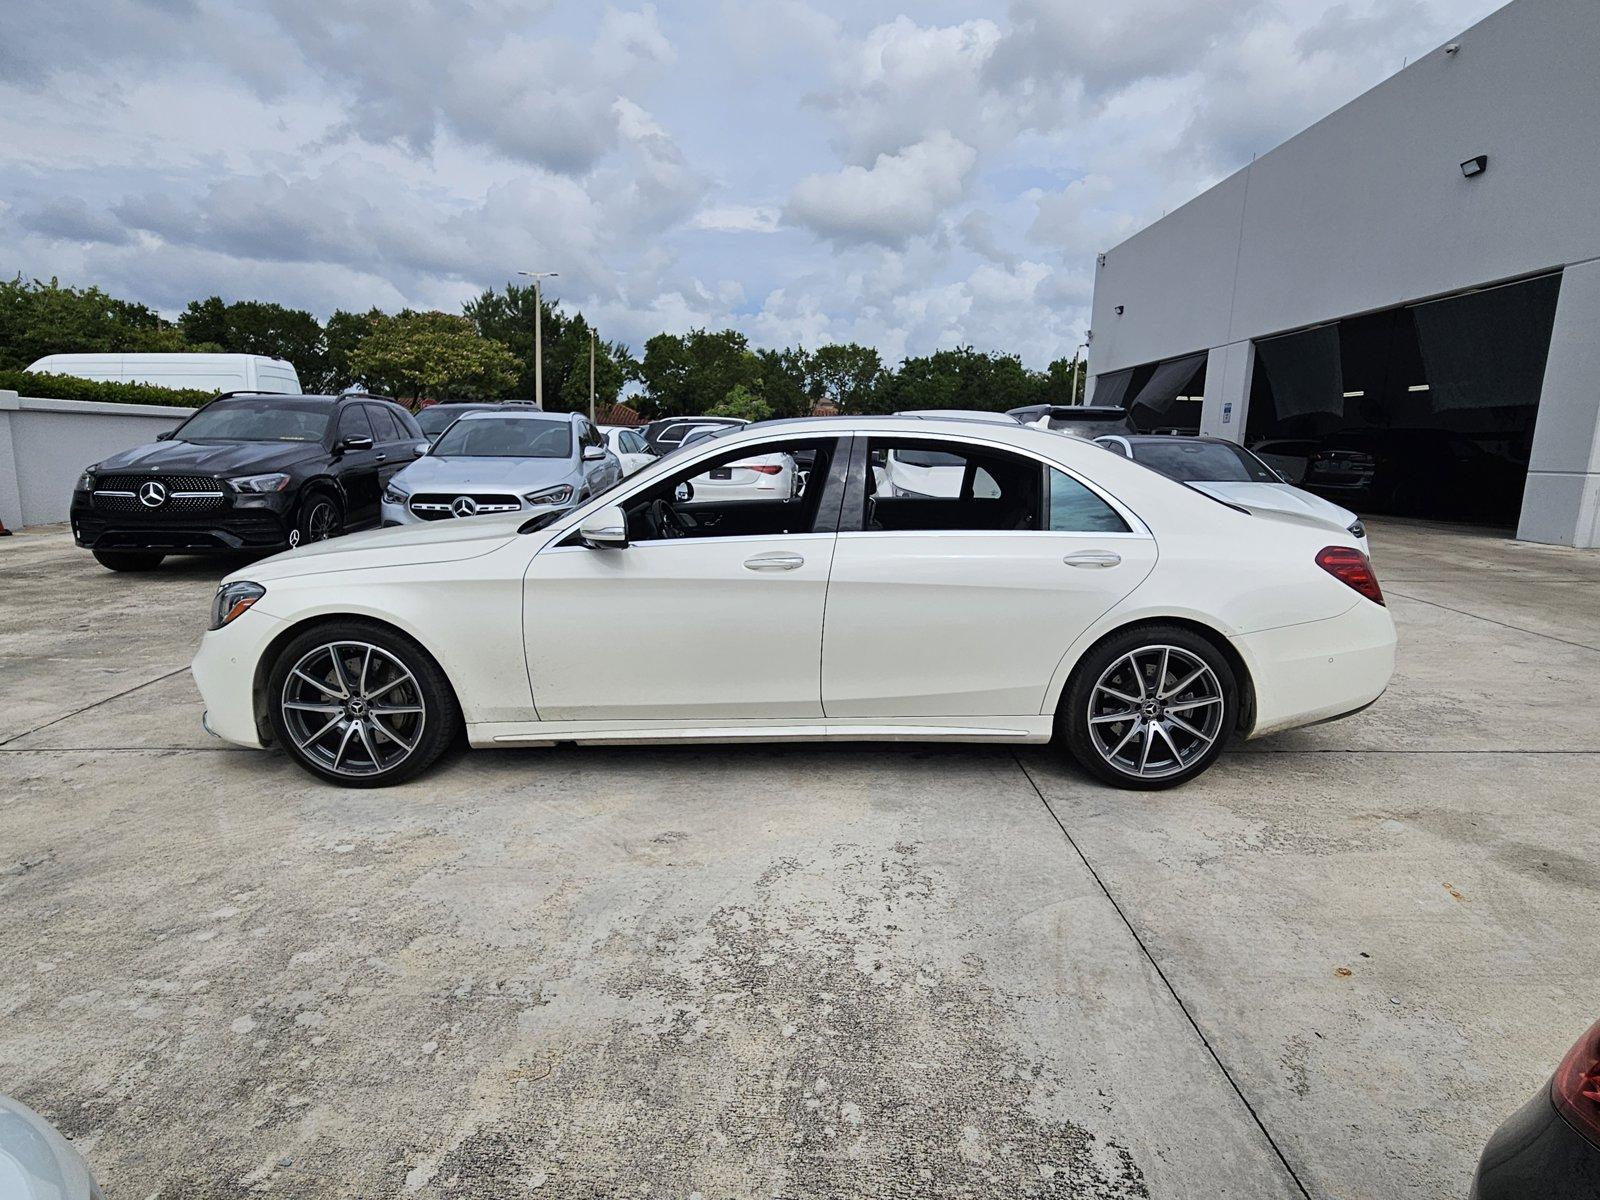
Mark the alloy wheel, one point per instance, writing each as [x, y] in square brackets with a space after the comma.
[353, 708]
[1155, 710]
[321, 521]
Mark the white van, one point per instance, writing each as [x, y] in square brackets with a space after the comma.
[200, 372]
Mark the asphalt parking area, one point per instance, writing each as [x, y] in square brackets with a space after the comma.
[1327, 968]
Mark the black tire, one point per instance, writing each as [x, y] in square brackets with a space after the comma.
[128, 560]
[319, 518]
[1103, 682]
[429, 733]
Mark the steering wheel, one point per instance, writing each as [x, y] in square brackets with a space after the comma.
[666, 520]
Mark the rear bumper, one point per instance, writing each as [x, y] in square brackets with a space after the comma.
[1535, 1153]
[1320, 670]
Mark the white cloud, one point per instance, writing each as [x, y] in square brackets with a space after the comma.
[899, 196]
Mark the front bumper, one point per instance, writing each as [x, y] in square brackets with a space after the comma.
[227, 530]
[399, 513]
[224, 671]
[1319, 670]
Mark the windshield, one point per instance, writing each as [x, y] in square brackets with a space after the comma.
[1090, 428]
[1203, 462]
[506, 437]
[258, 421]
[436, 418]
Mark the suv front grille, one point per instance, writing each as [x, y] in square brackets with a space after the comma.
[181, 494]
[439, 506]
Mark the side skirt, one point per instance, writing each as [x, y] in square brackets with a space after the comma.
[644, 733]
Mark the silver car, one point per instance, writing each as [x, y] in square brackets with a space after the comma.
[520, 460]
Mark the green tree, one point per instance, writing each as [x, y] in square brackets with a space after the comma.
[432, 355]
[260, 327]
[786, 382]
[342, 335]
[685, 375]
[960, 378]
[743, 403]
[507, 317]
[847, 375]
[38, 318]
[1064, 385]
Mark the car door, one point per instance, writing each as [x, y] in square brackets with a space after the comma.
[395, 450]
[963, 606]
[357, 466]
[722, 623]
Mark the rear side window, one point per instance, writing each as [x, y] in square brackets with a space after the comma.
[921, 485]
[1075, 509]
[384, 425]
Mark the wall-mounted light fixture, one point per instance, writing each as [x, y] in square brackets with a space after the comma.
[1118, 310]
[1475, 166]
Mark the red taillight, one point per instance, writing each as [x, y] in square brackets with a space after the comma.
[1349, 566]
[759, 468]
[1576, 1086]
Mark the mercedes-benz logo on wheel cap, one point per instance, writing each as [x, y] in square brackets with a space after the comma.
[152, 494]
[464, 506]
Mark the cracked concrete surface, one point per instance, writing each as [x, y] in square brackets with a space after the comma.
[799, 971]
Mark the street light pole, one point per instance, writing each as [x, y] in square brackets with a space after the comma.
[538, 332]
[1075, 361]
[591, 376]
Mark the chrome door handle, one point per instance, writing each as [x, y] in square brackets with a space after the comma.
[778, 561]
[1092, 558]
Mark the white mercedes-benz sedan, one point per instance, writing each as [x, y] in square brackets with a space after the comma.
[1062, 592]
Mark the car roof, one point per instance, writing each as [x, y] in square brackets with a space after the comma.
[520, 414]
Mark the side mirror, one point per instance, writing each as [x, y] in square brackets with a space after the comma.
[358, 442]
[420, 449]
[165, 435]
[606, 529]
[593, 453]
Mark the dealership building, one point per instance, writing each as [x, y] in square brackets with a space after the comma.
[1403, 302]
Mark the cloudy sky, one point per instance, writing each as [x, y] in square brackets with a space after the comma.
[910, 175]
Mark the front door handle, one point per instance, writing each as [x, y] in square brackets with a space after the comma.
[1092, 558]
[776, 561]
[383, 458]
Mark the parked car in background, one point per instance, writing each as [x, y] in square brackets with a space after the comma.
[667, 433]
[1080, 420]
[1287, 456]
[1549, 1149]
[436, 418]
[759, 477]
[250, 472]
[1087, 599]
[1416, 472]
[193, 371]
[628, 444]
[1230, 473]
[517, 460]
[36, 1162]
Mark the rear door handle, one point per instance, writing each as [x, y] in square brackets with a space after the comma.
[775, 561]
[1092, 558]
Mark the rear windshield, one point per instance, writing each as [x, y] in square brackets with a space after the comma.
[506, 437]
[436, 418]
[259, 421]
[1203, 462]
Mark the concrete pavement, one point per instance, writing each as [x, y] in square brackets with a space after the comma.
[1328, 968]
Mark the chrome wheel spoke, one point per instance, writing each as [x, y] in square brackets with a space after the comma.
[1174, 719]
[388, 687]
[392, 736]
[1113, 718]
[302, 706]
[1111, 691]
[394, 710]
[344, 744]
[1177, 755]
[1149, 741]
[1187, 705]
[339, 669]
[307, 741]
[1179, 689]
[317, 683]
[366, 744]
[366, 662]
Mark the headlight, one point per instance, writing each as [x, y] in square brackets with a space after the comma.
[260, 483]
[559, 494]
[394, 495]
[233, 600]
[85, 482]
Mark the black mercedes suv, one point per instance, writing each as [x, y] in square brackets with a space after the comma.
[248, 473]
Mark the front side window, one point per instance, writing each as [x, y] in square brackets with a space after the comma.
[755, 491]
[918, 484]
[258, 421]
[353, 423]
[505, 437]
[384, 424]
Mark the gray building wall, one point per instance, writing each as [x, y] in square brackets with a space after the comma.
[1368, 209]
[46, 444]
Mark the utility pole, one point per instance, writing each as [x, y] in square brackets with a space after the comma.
[591, 375]
[538, 332]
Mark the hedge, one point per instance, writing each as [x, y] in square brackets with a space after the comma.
[70, 387]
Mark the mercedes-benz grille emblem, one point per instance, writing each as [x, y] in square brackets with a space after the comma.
[152, 494]
[464, 506]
